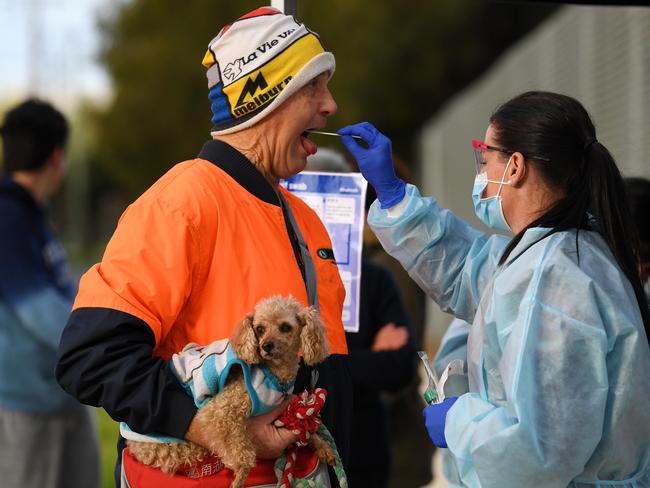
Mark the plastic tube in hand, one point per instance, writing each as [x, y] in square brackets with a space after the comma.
[431, 393]
[435, 392]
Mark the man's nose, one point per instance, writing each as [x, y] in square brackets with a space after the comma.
[328, 105]
[268, 346]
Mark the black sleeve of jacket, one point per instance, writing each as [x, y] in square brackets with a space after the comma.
[381, 304]
[334, 376]
[105, 360]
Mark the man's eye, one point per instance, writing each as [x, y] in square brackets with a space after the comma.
[259, 329]
[285, 328]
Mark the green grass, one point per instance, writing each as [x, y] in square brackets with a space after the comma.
[108, 430]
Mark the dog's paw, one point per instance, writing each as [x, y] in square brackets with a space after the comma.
[326, 454]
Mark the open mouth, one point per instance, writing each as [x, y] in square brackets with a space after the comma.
[309, 146]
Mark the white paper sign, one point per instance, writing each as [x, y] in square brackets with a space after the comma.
[338, 199]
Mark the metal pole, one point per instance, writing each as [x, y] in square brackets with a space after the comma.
[289, 7]
[34, 41]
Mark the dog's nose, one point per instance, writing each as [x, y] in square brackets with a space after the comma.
[268, 346]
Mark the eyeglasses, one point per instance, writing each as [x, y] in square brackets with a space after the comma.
[480, 147]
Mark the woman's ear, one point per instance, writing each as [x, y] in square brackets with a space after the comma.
[517, 170]
[312, 337]
[245, 343]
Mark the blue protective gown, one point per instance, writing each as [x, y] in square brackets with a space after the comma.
[558, 360]
[453, 345]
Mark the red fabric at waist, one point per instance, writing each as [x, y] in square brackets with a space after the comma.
[210, 473]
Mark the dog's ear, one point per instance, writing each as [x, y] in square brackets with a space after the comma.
[245, 343]
[312, 337]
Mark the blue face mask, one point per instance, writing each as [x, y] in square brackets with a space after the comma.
[489, 210]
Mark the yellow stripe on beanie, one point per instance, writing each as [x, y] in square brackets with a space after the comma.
[259, 88]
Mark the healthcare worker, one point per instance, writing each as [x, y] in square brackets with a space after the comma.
[558, 355]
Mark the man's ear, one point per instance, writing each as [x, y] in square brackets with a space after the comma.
[245, 343]
[517, 170]
[57, 157]
[52, 172]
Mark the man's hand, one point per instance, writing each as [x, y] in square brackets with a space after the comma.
[270, 441]
[390, 337]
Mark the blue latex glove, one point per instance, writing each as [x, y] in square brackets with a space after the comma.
[375, 162]
[434, 418]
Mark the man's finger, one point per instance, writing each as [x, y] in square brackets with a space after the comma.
[287, 436]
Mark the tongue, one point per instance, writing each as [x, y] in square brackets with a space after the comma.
[309, 147]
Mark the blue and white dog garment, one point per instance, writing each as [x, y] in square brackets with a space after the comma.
[203, 371]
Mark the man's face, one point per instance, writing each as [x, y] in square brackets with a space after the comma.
[306, 109]
[56, 170]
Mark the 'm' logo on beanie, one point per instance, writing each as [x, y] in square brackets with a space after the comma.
[251, 87]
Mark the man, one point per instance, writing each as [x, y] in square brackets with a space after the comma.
[46, 437]
[206, 242]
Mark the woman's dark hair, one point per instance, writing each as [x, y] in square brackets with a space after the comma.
[30, 132]
[558, 129]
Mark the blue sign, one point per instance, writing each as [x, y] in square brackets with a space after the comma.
[338, 199]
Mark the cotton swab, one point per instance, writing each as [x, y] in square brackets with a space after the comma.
[323, 133]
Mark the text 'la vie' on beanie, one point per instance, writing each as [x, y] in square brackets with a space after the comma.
[258, 62]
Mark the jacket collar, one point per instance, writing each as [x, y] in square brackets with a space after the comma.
[239, 168]
[9, 187]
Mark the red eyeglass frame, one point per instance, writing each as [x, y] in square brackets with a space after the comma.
[480, 146]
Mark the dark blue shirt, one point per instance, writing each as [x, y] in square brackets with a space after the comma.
[36, 294]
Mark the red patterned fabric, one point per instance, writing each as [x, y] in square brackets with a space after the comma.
[210, 473]
[302, 418]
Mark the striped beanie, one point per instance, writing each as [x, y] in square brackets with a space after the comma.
[256, 63]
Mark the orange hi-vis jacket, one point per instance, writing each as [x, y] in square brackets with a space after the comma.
[188, 260]
[194, 254]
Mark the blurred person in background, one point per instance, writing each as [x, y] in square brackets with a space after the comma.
[638, 194]
[211, 238]
[47, 439]
[558, 352]
[382, 359]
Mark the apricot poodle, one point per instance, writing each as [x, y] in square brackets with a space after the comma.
[270, 338]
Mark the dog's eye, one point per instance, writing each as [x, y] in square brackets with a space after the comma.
[259, 329]
[284, 327]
